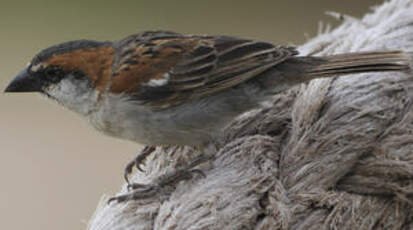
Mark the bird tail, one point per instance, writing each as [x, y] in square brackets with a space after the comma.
[357, 63]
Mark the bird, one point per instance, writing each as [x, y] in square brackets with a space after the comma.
[162, 88]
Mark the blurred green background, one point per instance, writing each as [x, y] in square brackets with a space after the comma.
[53, 167]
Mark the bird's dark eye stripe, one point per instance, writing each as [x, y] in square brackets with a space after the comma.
[78, 75]
[53, 74]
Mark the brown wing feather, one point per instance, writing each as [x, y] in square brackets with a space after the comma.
[163, 71]
[145, 57]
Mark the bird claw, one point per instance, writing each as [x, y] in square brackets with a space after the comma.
[144, 192]
[138, 162]
[138, 191]
[135, 186]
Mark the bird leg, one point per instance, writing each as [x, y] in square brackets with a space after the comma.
[144, 191]
[138, 161]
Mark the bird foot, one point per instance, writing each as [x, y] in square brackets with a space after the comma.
[143, 191]
[138, 162]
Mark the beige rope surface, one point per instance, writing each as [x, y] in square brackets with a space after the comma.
[334, 154]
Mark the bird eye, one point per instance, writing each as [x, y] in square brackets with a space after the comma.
[53, 74]
[78, 75]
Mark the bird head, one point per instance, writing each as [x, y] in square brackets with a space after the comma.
[72, 73]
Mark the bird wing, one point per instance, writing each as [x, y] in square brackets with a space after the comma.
[163, 69]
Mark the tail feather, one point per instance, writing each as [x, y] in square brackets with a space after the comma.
[358, 63]
[300, 69]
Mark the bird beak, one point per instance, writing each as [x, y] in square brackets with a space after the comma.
[24, 82]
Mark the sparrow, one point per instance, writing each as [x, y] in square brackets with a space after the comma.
[161, 88]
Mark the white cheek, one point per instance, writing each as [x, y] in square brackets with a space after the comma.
[64, 91]
[76, 96]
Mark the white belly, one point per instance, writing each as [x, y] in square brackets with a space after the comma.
[195, 123]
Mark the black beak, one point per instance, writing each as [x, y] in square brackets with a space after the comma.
[24, 82]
